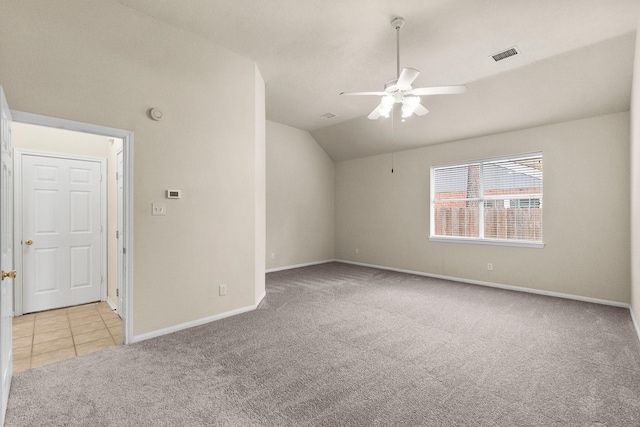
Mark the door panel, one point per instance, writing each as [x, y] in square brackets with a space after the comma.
[46, 273]
[6, 251]
[45, 214]
[62, 208]
[81, 266]
[80, 203]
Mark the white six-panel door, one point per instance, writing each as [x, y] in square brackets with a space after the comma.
[6, 251]
[61, 232]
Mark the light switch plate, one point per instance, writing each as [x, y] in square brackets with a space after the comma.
[158, 209]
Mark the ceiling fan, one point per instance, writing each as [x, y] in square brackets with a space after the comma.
[400, 91]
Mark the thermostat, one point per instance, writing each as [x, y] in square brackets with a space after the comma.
[173, 194]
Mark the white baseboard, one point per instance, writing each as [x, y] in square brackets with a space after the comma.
[495, 285]
[289, 267]
[224, 315]
[191, 324]
[112, 305]
[510, 288]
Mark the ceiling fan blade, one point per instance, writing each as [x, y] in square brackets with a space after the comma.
[365, 93]
[407, 76]
[438, 90]
[375, 114]
[419, 110]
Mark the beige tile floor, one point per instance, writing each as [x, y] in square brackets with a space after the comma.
[50, 336]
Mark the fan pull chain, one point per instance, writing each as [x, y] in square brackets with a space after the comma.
[392, 138]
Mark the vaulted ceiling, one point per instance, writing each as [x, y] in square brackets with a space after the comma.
[576, 61]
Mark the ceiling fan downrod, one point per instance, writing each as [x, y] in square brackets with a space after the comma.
[397, 23]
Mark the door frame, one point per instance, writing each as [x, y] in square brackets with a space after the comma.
[128, 149]
[119, 222]
[18, 154]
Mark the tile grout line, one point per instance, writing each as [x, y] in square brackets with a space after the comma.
[75, 350]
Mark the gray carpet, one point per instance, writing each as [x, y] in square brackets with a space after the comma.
[339, 345]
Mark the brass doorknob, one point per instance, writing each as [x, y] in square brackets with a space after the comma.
[29, 242]
[9, 274]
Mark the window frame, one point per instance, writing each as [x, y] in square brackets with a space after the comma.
[481, 201]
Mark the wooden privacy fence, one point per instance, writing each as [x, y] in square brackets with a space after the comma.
[499, 223]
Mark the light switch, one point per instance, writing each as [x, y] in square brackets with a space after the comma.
[158, 209]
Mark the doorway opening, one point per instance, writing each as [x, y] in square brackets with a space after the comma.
[114, 241]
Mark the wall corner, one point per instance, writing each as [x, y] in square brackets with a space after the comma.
[635, 181]
[260, 187]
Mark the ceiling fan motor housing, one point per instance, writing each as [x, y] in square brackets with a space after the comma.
[392, 86]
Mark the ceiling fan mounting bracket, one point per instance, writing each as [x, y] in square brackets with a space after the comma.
[397, 23]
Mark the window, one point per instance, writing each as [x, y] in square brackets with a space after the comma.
[495, 201]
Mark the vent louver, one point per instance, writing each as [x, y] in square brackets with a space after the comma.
[505, 54]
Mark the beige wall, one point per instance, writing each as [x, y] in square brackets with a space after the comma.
[103, 63]
[300, 190]
[586, 211]
[42, 138]
[635, 184]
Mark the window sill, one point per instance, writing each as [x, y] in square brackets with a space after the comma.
[490, 242]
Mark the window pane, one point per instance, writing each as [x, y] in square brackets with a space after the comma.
[458, 218]
[460, 182]
[512, 177]
[513, 219]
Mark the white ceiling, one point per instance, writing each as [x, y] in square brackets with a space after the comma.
[576, 61]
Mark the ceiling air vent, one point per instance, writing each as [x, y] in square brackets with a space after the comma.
[505, 54]
[328, 116]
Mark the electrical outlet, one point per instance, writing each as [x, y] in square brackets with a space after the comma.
[357, 251]
[223, 290]
[158, 209]
[489, 266]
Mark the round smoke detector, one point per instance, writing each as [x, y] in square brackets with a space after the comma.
[155, 114]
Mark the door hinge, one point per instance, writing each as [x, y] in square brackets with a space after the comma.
[100, 177]
[117, 234]
[101, 279]
[117, 175]
[124, 250]
[117, 292]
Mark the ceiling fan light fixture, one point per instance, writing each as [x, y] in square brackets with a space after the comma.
[409, 105]
[384, 111]
[386, 104]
